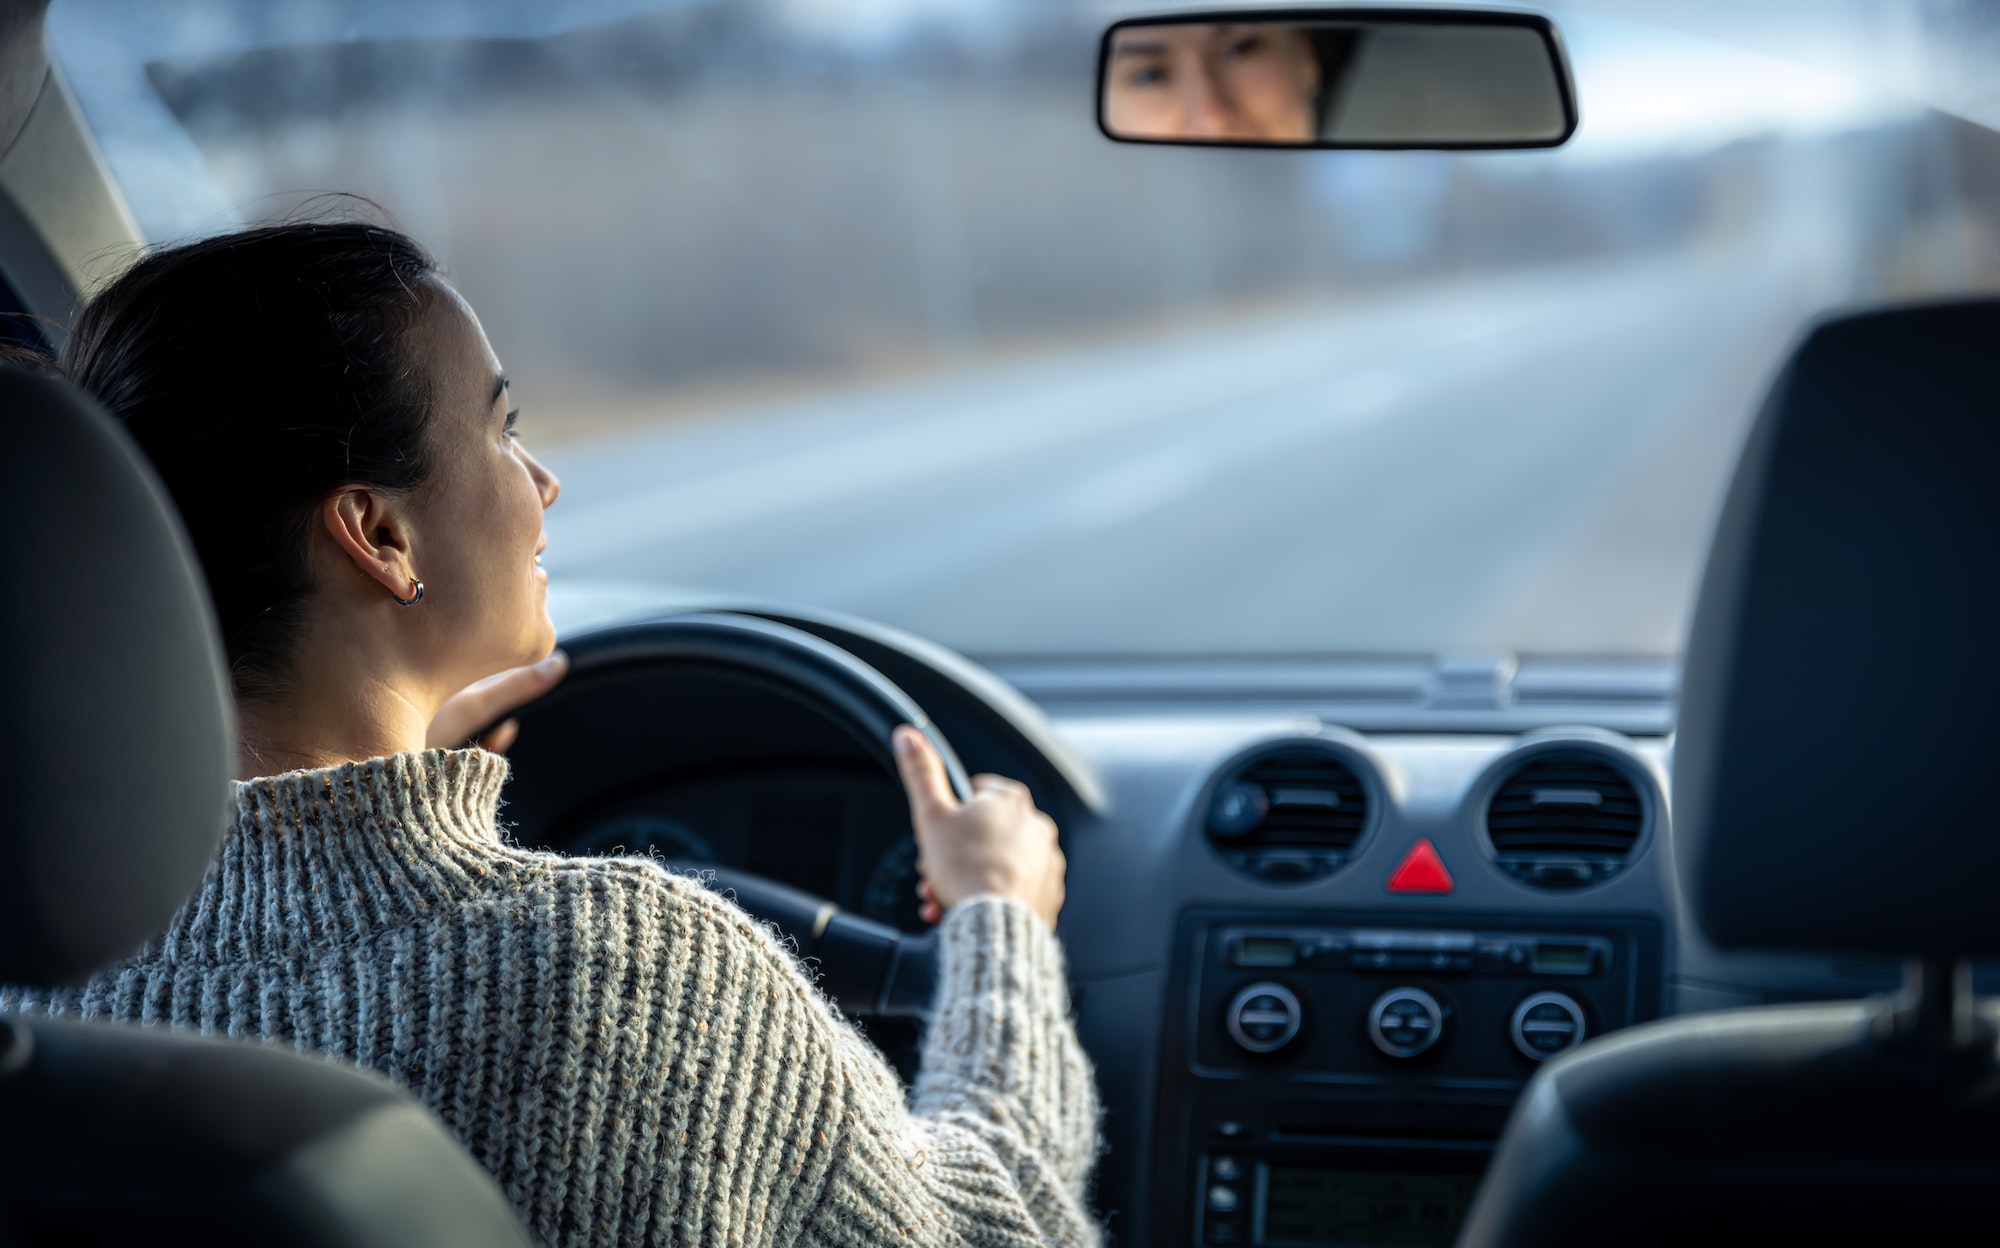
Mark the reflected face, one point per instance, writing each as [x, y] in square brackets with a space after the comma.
[1244, 82]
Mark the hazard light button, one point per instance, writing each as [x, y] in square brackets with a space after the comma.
[1421, 871]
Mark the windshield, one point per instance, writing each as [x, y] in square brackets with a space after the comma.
[851, 306]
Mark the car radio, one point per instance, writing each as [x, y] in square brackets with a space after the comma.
[1338, 1078]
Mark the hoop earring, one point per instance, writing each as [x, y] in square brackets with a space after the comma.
[414, 598]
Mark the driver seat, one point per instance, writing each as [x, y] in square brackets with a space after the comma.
[1835, 793]
[115, 758]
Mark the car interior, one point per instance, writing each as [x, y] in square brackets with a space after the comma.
[1423, 948]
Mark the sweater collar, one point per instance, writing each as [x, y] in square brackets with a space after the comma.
[330, 854]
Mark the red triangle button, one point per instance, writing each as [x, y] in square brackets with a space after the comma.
[1422, 871]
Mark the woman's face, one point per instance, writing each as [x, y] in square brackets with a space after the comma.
[478, 525]
[1248, 82]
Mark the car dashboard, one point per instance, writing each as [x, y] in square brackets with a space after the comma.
[1344, 1011]
[1313, 1031]
[1324, 921]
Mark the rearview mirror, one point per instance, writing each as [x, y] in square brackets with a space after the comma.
[1339, 78]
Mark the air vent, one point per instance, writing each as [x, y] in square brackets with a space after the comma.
[1288, 816]
[1564, 819]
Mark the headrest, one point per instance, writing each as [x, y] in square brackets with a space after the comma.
[115, 729]
[1837, 769]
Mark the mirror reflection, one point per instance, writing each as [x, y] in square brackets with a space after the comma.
[1382, 83]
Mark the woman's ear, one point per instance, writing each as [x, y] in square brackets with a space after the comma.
[372, 531]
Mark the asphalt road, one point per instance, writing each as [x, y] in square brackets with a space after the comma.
[1529, 462]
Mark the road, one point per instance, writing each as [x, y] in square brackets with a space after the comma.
[1527, 462]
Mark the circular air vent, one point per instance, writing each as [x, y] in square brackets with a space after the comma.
[1287, 815]
[1564, 819]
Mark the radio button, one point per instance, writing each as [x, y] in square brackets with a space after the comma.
[1546, 1024]
[1404, 1022]
[1264, 1018]
[1492, 955]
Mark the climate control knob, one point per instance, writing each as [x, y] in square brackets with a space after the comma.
[1264, 1018]
[1404, 1022]
[1546, 1024]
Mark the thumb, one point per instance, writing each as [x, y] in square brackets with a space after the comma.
[923, 774]
[504, 734]
[482, 702]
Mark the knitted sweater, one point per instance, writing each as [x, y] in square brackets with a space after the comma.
[634, 1058]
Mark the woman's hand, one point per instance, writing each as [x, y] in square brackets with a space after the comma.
[996, 843]
[484, 701]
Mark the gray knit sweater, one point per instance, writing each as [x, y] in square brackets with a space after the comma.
[635, 1059]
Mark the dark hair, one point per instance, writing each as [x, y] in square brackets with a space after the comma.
[260, 371]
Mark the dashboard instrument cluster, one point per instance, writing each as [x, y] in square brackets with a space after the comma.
[836, 833]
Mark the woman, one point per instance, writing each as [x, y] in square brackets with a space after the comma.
[1257, 82]
[634, 1058]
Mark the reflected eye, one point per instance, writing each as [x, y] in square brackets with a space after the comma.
[1147, 76]
[1248, 45]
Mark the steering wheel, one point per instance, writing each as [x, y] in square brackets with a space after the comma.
[870, 968]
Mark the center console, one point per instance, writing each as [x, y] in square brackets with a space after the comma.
[1341, 1077]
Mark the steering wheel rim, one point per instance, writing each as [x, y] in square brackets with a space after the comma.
[868, 700]
[870, 968]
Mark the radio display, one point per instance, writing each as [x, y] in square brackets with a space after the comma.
[1563, 959]
[1389, 1208]
[1266, 951]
